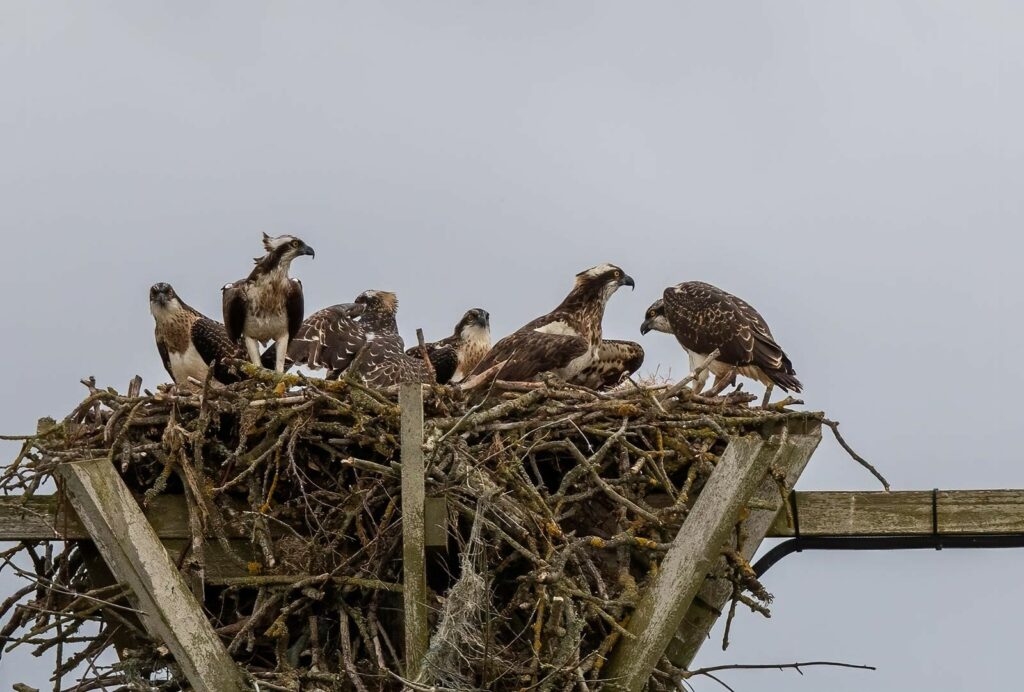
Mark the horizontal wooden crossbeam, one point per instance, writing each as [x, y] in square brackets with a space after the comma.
[856, 513]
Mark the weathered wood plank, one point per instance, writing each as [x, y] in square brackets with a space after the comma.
[906, 513]
[822, 513]
[790, 450]
[683, 570]
[435, 519]
[414, 558]
[135, 556]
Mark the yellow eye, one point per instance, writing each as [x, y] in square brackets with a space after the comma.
[617, 274]
[295, 243]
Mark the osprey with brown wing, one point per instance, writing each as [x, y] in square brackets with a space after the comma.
[703, 318]
[188, 341]
[455, 356]
[362, 339]
[267, 305]
[566, 340]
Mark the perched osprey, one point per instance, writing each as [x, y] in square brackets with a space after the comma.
[566, 340]
[267, 305]
[615, 361]
[455, 356]
[703, 318]
[188, 341]
[335, 340]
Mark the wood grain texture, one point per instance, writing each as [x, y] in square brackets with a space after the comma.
[414, 560]
[904, 513]
[694, 551]
[790, 449]
[133, 553]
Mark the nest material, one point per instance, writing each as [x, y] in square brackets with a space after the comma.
[561, 503]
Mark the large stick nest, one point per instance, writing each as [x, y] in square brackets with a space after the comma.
[561, 503]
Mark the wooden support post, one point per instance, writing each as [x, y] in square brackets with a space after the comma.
[417, 634]
[789, 450]
[135, 556]
[694, 552]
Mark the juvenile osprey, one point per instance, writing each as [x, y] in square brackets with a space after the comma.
[188, 341]
[703, 318]
[566, 340]
[615, 361]
[455, 356]
[267, 305]
[371, 346]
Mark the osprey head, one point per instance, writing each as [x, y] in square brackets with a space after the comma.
[286, 247]
[378, 301]
[475, 323]
[654, 318]
[603, 280]
[162, 298]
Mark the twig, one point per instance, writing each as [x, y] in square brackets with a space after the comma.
[834, 425]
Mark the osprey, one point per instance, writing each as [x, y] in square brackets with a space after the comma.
[703, 318]
[455, 356]
[566, 340]
[267, 305]
[370, 346]
[615, 361]
[188, 341]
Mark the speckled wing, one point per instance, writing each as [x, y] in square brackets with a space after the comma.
[704, 317]
[211, 340]
[443, 355]
[528, 353]
[328, 339]
[382, 363]
[615, 361]
[234, 306]
[295, 305]
[165, 355]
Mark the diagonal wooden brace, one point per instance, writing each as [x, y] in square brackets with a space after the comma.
[135, 556]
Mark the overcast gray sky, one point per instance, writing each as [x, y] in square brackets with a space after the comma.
[854, 170]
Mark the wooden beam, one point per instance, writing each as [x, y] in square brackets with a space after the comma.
[696, 548]
[414, 559]
[903, 513]
[135, 556]
[790, 448]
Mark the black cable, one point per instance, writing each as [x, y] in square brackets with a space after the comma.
[1013, 540]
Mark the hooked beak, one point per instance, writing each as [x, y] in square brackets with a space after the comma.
[307, 250]
[627, 280]
[645, 327]
[483, 319]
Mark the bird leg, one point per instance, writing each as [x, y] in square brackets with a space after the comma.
[282, 353]
[253, 348]
[767, 395]
[721, 382]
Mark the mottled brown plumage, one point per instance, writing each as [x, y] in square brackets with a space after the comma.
[614, 362]
[455, 356]
[368, 347]
[564, 341]
[704, 318]
[188, 341]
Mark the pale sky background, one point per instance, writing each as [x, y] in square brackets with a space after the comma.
[854, 170]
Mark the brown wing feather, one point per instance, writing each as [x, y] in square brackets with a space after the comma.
[295, 304]
[382, 363]
[443, 355]
[213, 344]
[234, 306]
[527, 353]
[615, 360]
[704, 317]
[328, 338]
